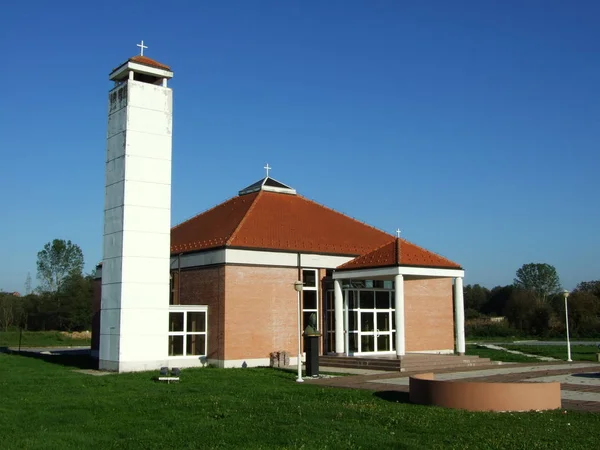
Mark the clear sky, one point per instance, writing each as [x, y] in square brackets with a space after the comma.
[473, 126]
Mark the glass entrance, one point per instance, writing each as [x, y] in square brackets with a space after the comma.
[371, 327]
[375, 331]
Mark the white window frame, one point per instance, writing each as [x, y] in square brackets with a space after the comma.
[358, 310]
[185, 310]
[315, 289]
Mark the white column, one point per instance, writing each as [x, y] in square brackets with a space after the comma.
[338, 308]
[346, 326]
[399, 315]
[459, 315]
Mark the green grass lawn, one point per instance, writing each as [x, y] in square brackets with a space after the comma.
[578, 352]
[49, 406]
[39, 339]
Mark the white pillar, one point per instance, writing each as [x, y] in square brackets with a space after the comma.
[338, 308]
[346, 325]
[459, 315]
[399, 315]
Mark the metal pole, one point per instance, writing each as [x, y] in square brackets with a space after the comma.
[299, 379]
[567, 324]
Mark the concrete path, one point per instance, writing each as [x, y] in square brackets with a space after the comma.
[534, 342]
[516, 352]
[580, 382]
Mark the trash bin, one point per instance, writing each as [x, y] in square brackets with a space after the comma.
[598, 357]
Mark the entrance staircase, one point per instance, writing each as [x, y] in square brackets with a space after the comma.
[412, 362]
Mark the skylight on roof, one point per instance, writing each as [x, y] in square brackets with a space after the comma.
[268, 184]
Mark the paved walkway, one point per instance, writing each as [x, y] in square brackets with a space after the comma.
[580, 382]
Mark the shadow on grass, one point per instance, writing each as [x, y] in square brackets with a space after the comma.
[78, 358]
[393, 396]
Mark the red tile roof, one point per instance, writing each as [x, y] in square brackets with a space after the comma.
[276, 221]
[145, 61]
[149, 62]
[399, 253]
[282, 222]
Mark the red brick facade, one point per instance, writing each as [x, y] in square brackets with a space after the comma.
[252, 310]
[260, 311]
[429, 314]
[206, 286]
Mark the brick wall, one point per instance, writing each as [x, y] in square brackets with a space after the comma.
[260, 311]
[205, 286]
[429, 314]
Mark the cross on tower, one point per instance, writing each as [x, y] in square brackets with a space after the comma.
[398, 232]
[267, 168]
[142, 47]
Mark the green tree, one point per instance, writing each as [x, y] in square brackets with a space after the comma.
[475, 296]
[56, 261]
[497, 300]
[541, 279]
[584, 314]
[593, 287]
[74, 302]
[519, 308]
[7, 311]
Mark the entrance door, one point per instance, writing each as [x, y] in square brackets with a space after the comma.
[375, 331]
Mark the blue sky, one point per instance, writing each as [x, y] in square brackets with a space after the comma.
[474, 126]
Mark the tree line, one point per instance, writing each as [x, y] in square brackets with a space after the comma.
[63, 299]
[534, 305]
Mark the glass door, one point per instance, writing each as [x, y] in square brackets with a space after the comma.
[375, 331]
[370, 321]
[383, 333]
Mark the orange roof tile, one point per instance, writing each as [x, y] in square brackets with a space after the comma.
[398, 253]
[149, 62]
[276, 221]
[212, 228]
[146, 61]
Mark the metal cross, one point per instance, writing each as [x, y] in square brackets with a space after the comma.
[267, 168]
[398, 232]
[142, 47]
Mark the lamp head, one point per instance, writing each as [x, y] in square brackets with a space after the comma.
[298, 285]
[565, 293]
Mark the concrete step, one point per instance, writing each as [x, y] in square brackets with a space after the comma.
[412, 363]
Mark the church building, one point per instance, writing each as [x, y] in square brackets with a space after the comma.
[220, 288]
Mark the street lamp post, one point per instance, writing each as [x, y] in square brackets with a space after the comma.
[566, 296]
[298, 285]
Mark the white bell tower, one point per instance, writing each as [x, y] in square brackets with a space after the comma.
[137, 218]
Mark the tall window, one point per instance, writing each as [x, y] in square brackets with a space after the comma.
[187, 332]
[310, 297]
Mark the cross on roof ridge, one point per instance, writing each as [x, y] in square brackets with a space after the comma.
[142, 47]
